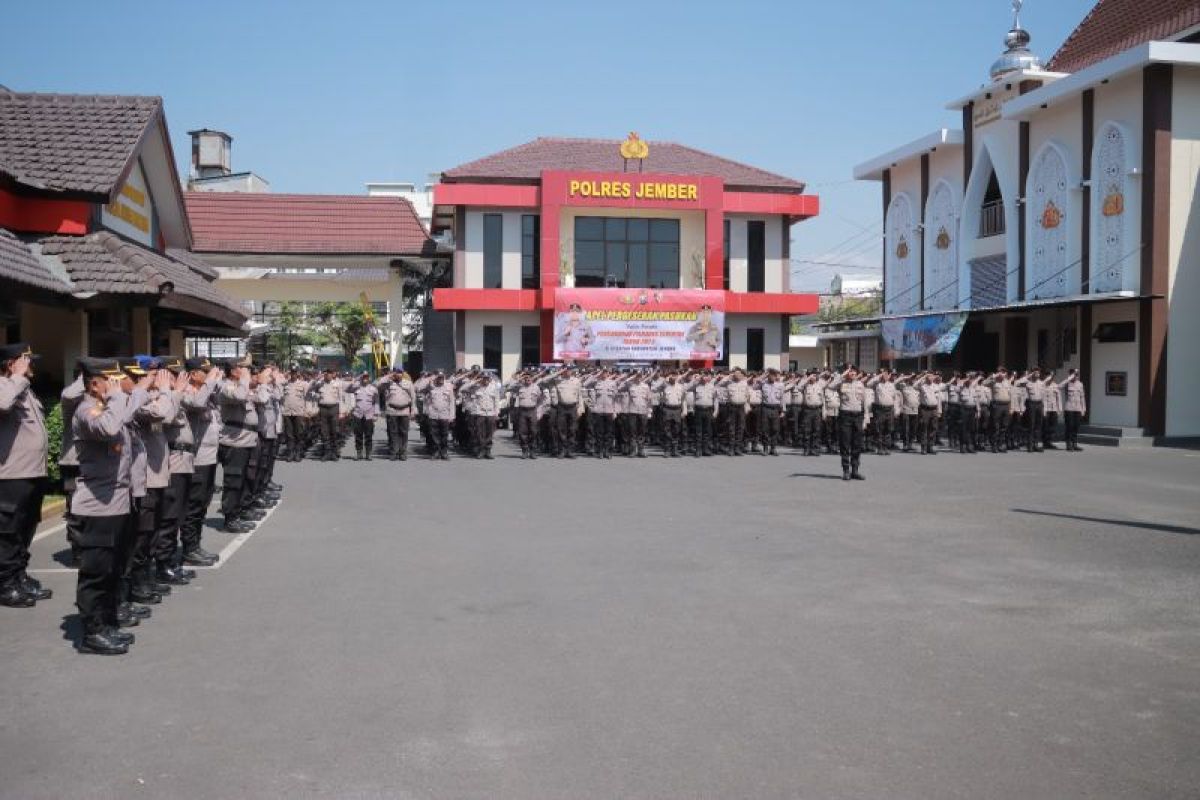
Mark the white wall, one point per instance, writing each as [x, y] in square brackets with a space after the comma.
[771, 324]
[997, 146]
[1058, 127]
[775, 266]
[1114, 357]
[1183, 363]
[511, 323]
[473, 249]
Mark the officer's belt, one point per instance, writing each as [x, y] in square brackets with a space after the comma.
[328, 405]
[770, 405]
[182, 448]
[928, 406]
[242, 426]
[673, 407]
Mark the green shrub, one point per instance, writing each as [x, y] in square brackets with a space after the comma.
[54, 431]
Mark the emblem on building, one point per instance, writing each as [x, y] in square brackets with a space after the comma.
[942, 242]
[634, 148]
[1051, 217]
[902, 249]
[1114, 204]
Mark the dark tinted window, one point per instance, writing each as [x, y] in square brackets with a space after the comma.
[754, 349]
[531, 262]
[493, 347]
[531, 346]
[620, 253]
[726, 255]
[493, 251]
[756, 256]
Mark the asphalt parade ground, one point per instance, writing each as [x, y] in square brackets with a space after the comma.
[987, 626]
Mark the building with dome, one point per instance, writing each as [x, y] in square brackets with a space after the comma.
[1062, 219]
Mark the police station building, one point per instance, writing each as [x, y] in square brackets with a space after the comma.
[611, 224]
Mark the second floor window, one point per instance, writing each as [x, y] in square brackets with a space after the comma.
[626, 253]
[991, 213]
[493, 251]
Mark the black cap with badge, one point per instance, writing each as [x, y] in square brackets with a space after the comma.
[9, 352]
[99, 367]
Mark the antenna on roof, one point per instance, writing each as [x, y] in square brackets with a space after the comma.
[1016, 4]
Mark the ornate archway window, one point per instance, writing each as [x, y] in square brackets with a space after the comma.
[941, 248]
[1047, 195]
[902, 257]
[1111, 256]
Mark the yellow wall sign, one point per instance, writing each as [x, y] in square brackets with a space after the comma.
[649, 190]
[131, 212]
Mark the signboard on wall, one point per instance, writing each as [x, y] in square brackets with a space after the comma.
[130, 213]
[638, 324]
[910, 337]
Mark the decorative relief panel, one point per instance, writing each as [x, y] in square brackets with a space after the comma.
[1111, 255]
[902, 257]
[941, 249]
[1046, 199]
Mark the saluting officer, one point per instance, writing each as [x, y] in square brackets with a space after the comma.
[23, 449]
[439, 407]
[852, 397]
[399, 398]
[772, 410]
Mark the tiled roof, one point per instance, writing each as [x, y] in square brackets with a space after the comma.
[1114, 26]
[104, 263]
[70, 142]
[18, 264]
[527, 161]
[244, 222]
[200, 266]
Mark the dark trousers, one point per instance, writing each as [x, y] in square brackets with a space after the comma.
[327, 418]
[294, 435]
[603, 425]
[174, 506]
[364, 435]
[883, 418]
[1049, 427]
[909, 430]
[147, 518]
[704, 430]
[526, 427]
[672, 422]
[439, 436]
[200, 494]
[1034, 408]
[103, 541]
[20, 513]
[268, 449]
[397, 433]
[735, 429]
[1000, 417]
[1073, 419]
[483, 429]
[565, 416]
[234, 463]
[850, 439]
[69, 473]
[928, 421]
[810, 429]
[968, 428]
[635, 432]
[769, 425]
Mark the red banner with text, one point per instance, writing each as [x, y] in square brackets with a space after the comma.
[638, 324]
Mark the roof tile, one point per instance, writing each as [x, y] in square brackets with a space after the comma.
[1114, 26]
[527, 161]
[18, 264]
[243, 222]
[69, 142]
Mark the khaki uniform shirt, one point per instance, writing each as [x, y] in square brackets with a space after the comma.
[398, 397]
[672, 395]
[71, 396]
[23, 440]
[239, 418]
[105, 444]
[439, 402]
[150, 419]
[1074, 396]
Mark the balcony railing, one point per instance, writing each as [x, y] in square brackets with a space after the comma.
[991, 219]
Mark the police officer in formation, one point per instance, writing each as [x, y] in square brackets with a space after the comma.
[141, 441]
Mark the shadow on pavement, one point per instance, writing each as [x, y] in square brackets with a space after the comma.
[815, 475]
[1149, 526]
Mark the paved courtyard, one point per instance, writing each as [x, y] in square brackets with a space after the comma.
[957, 627]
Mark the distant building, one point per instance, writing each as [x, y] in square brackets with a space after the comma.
[211, 166]
[420, 198]
[94, 234]
[1064, 215]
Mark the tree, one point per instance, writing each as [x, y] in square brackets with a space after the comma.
[290, 331]
[847, 308]
[345, 324]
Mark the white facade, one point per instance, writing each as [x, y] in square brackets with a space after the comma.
[421, 197]
[1072, 232]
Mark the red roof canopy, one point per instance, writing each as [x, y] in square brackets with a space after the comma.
[526, 162]
[241, 222]
[1114, 26]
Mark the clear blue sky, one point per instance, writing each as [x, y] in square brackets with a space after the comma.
[326, 96]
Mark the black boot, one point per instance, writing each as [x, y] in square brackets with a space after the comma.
[845, 474]
[856, 475]
[12, 596]
[100, 642]
[487, 453]
[200, 558]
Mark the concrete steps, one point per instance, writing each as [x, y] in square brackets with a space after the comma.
[1107, 436]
